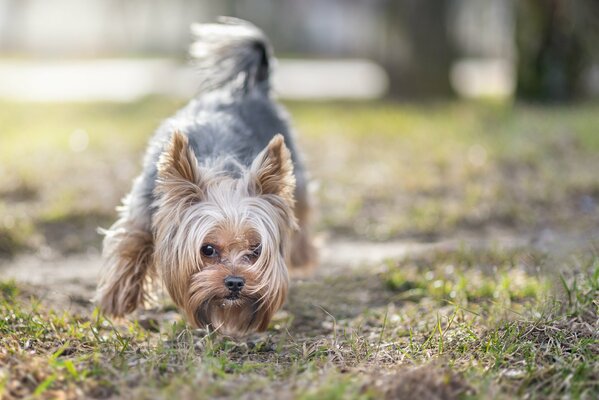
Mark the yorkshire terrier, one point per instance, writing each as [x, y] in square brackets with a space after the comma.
[221, 207]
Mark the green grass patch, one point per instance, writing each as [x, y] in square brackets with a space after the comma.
[471, 276]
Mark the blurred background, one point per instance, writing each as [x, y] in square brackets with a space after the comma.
[439, 119]
[539, 49]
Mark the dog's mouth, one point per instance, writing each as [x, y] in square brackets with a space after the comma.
[231, 301]
[232, 296]
[232, 314]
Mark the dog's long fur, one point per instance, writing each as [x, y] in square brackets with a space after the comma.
[224, 170]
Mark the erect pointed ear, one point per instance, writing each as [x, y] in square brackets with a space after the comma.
[272, 171]
[178, 169]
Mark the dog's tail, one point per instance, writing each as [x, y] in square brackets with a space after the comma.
[232, 53]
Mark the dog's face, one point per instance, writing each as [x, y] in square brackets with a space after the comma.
[221, 242]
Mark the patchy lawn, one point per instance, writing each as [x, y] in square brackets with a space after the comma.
[474, 319]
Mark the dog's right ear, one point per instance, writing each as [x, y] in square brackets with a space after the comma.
[178, 170]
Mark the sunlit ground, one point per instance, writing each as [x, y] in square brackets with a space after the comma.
[502, 302]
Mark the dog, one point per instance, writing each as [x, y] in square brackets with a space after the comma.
[221, 208]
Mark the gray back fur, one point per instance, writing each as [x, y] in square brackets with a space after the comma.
[233, 116]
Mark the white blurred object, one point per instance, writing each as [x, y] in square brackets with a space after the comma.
[126, 80]
[111, 80]
[486, 77]
[332, 79]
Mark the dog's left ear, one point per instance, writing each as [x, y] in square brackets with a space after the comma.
[271, 172]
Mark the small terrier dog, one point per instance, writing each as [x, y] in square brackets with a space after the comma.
[221, 207]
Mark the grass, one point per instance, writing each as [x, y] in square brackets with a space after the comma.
[49, 153]
[416, 171]
[501, 342]
[431, 171]
[475, 319]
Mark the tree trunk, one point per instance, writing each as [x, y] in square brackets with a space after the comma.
[417, 53]
[551, 53]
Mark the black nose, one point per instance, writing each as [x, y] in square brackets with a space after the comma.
[234, 283]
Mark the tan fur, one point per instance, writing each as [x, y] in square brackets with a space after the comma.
[128, 251]
[272, 171]
[303, 254]
[178, 171]
[196, 207]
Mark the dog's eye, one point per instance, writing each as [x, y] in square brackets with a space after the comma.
[208, 250]
[257, 250]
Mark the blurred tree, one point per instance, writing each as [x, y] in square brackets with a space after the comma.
[417, 51]
[554, 39]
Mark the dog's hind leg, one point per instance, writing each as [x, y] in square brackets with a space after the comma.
[128, 250]
[303, 256]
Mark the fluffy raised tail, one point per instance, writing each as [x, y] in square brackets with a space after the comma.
[232, 53]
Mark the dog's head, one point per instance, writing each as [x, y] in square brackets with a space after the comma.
[221, 241]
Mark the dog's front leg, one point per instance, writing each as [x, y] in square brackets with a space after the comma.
[128, 251]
